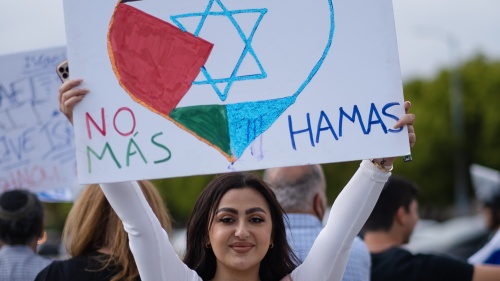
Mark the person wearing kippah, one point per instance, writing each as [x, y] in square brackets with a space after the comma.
[21, 225]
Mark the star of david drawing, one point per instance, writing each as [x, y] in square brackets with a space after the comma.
[220, 10]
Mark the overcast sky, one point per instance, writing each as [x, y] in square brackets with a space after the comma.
[431, 33]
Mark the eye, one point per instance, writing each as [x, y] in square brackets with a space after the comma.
[226, 220]
[256, 220]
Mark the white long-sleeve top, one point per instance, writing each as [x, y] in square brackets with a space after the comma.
[157, 260]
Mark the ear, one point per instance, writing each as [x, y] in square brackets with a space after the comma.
[318, 208]
[401, 216]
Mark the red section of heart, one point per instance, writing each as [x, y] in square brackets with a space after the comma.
[154, 61]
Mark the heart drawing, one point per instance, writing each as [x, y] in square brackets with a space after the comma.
[157, 62]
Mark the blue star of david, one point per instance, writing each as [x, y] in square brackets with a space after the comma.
[247, 40]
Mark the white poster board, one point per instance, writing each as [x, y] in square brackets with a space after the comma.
[36, 141]
[182, 88]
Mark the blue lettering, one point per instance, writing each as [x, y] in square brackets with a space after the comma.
[373, 111]
[352, 118]
[4, 150]
[293, 133]
[329, 127]
[12, 95]
[384, 112]
[324, 123]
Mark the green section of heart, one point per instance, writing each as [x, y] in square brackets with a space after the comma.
[205, 121]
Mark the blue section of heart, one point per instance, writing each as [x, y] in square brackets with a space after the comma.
[248, 120]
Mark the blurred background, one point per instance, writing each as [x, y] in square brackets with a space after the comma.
[450, 66]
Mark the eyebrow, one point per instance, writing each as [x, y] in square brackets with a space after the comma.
[234, 211]
[229, 210]
[254, 210]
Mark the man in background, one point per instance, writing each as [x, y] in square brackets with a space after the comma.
[390, 226]
[301, 191]
[21, 225]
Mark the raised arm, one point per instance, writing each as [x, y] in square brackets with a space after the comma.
[154, 255]
[329, 254]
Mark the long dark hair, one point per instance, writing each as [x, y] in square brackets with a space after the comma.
[278, 261]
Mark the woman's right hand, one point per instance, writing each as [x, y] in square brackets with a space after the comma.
[69, 96]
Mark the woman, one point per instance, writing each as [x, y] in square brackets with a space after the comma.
[236, 224]
[217, 217]
[96, 241]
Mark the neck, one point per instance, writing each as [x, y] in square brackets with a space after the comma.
[380, 241]
[104, 250]
[33, 244]
[225, 274]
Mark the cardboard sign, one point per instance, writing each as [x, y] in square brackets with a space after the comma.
[183, 88]
[37, 150]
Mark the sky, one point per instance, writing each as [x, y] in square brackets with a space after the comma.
[432, 34]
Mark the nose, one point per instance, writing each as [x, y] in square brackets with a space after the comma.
[241, 230]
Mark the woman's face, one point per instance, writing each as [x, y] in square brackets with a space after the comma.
[241, 230]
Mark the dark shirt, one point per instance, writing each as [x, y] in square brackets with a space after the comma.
[397, 264]
[80, 268]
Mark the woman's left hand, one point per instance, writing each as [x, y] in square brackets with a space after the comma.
[405, 120]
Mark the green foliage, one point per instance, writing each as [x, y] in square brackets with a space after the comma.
[180, 194]
[55, 215]
[432, 168]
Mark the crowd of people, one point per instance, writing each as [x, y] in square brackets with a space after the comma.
[243, 227]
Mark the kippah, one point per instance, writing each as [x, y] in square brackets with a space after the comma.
[15, 204]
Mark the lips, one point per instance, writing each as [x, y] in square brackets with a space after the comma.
[241, 247]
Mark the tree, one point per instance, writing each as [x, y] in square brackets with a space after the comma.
[432, 167]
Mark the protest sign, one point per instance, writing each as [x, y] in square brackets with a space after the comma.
[183, 88]
[37, 149]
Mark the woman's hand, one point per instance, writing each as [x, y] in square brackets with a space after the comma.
[407, 120]
[69, 96]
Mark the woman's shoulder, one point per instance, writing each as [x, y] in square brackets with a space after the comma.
[83, 267]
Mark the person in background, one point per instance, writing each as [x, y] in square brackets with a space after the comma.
[301, 191]
[487, 187]
[390, 226]
[21, 225]
[96, 241]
